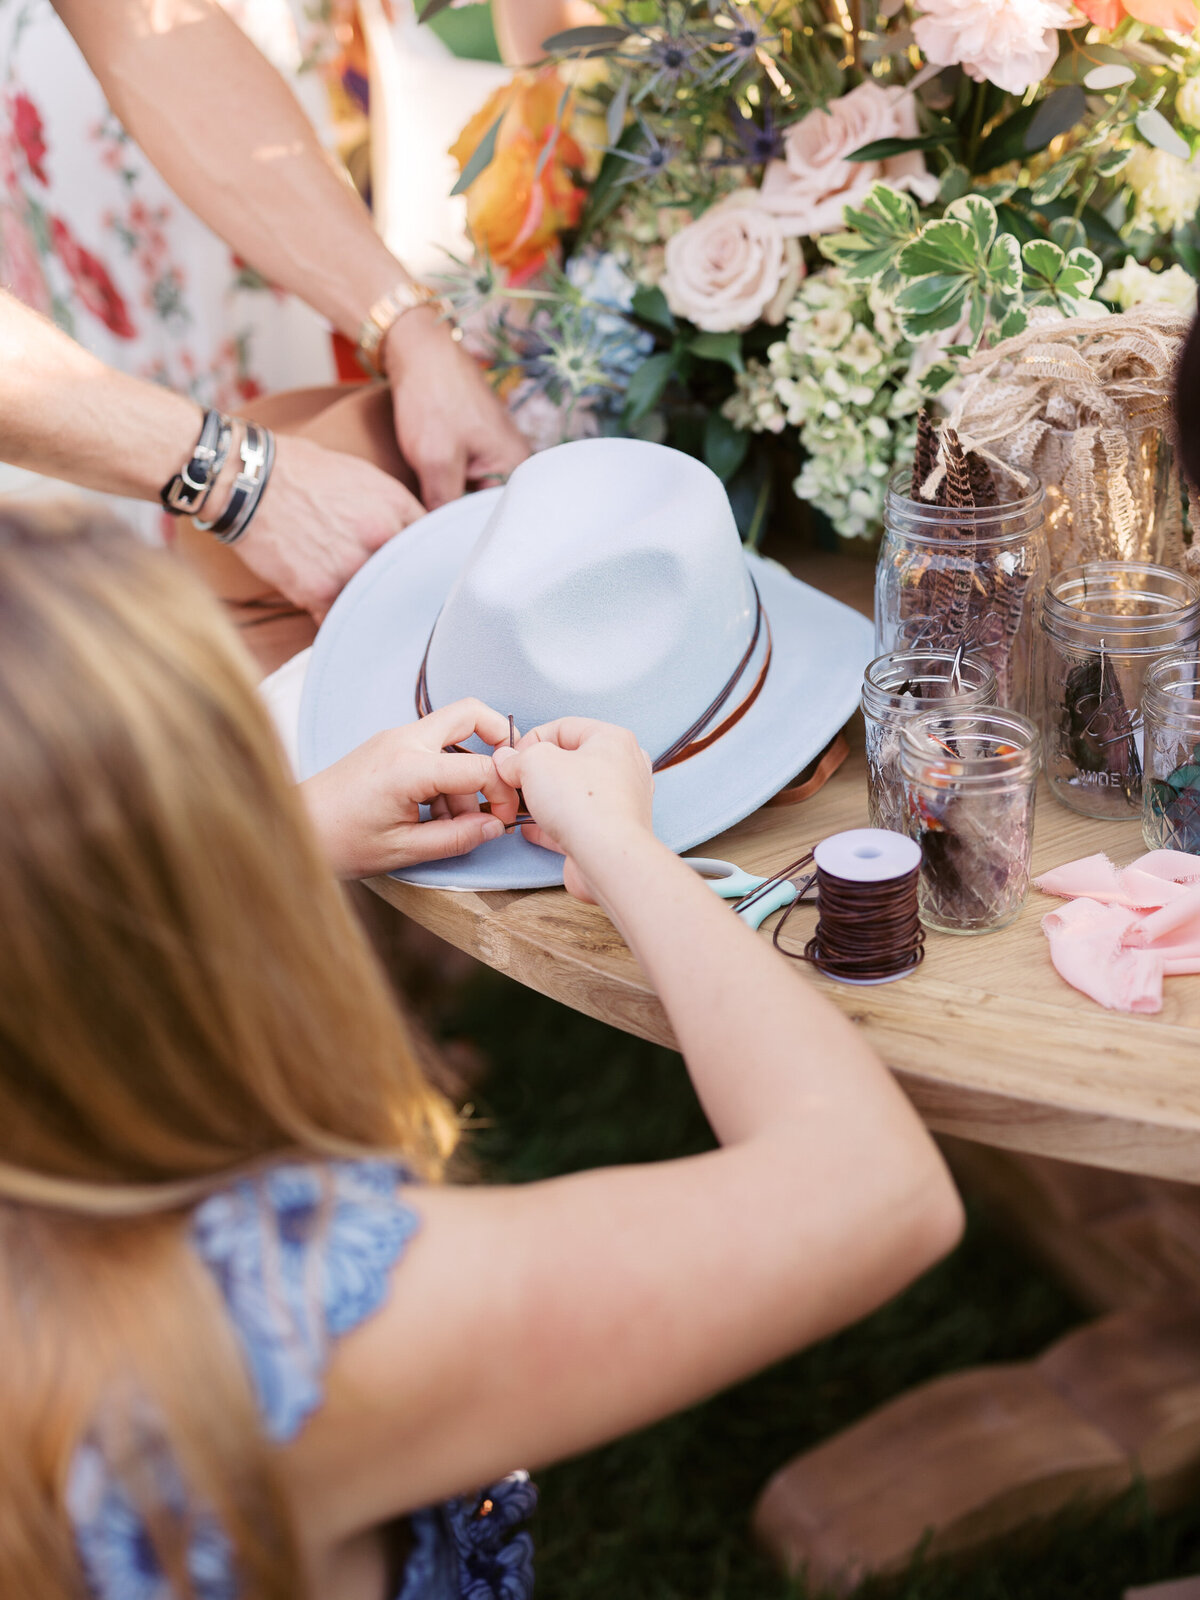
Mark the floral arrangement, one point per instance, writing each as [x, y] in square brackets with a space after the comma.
[769, 231]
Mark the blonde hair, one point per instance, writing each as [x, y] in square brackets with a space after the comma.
[183, 994]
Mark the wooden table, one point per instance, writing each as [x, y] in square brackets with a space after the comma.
[988, 1041]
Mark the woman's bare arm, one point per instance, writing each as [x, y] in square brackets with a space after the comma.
[528, 1324]
[228, 135]
[522, 25]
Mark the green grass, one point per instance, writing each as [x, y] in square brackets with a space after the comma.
[663, 1514]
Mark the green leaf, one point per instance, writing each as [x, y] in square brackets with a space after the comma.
[1006, 142]
[977, 214]
[1068, 233]
[937, 377]
[944, 245]
[1004, 266]
[725, 447]
[1051, 183]
[1110, 75]
[956, 181]
[726, 347]
[876, 231]
[884, 149]
[928, 293]
[917, 322]
[605, 195]
[485, 150]
[1017, 221]
[600, 36]
[1099, 230]
[647, 384]
[1057, 113]
[1015, 322]
[997, 193]
[1111, 162]
[650, 305]
[1043, 259]
[435, 8]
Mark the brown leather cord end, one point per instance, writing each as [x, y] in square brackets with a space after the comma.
[816, 775]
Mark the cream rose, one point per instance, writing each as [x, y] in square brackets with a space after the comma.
[724, 270]
[809, 189]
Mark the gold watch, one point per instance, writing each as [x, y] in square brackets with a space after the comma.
[383, 316]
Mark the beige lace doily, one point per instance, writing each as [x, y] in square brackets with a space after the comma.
[1086, 405]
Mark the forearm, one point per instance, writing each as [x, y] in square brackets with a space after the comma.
[761, 1043]
[227, 134]
[65, 414]
[522, 25]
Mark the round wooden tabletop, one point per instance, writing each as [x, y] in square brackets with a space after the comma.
[985, 1037]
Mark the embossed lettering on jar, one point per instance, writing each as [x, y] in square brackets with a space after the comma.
[1105, 624]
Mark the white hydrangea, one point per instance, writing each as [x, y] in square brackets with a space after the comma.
[840, 377]
[1135, 285]
[1166, 188]
[1187, 103]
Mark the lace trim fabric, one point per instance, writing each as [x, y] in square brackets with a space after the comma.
[302, 1255]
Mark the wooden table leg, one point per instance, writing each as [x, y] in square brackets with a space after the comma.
[961, 1461]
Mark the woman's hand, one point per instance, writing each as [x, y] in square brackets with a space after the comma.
[588, 787]
[322, 514]
[365, 807]
[451, 428]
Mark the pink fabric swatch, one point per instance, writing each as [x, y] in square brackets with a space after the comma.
[1125, 929]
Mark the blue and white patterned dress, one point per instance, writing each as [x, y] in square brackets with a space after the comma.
[301, 1255]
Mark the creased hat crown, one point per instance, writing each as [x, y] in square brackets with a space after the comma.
[609, 582]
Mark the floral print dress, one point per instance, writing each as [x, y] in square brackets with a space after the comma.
[91, 236]
[301, 1255]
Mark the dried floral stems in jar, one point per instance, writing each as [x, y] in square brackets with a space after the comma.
[1171, 709]
[969, 776]
[1105, 625]
[897, 688]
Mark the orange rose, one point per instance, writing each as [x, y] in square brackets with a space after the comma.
[515, 212]
[1177, 16]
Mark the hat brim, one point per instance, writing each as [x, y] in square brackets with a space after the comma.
[364, 666]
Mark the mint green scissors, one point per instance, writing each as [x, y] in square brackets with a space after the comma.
[731, 883]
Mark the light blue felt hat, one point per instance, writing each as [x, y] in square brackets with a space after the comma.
[606, 580]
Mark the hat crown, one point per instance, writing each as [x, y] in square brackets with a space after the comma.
[609, 582]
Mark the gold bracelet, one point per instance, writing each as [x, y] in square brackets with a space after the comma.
[383, 316]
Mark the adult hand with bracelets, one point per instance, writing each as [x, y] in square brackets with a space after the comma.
[225, 131]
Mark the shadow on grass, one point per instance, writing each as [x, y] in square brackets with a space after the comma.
[664, 1513]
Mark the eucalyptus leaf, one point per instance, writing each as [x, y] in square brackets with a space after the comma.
[484, 152]
[647, 384]
[614, 119]
[725, 448]
[1006, 142]
[597, 36]
[1109, 76]
[551, 138]
[1057, 113]
[1156, 130]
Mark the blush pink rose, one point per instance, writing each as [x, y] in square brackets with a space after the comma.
[726, 269]
[810, 188]
[1011, 43]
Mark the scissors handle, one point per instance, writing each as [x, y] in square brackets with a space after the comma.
[730, 882]
[775, 900]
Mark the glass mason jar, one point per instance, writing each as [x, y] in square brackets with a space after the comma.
[949, 576]
[1171, 744]
[1105, 624]
[970, 775]
[898, 687]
